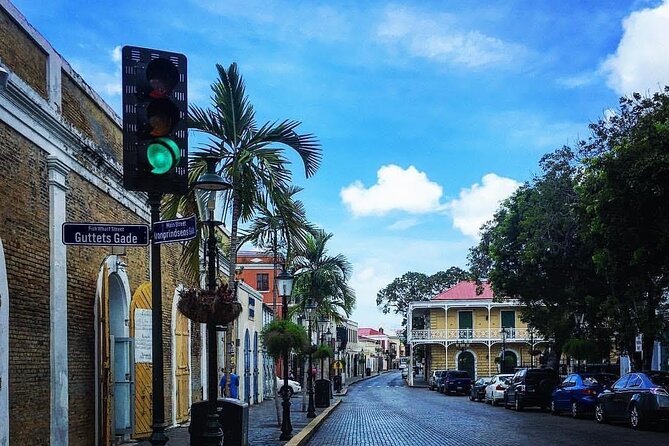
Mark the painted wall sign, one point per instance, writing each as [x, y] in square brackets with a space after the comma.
[143, 336]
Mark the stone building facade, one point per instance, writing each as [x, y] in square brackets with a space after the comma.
[74, 343]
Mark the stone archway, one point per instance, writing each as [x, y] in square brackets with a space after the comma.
[467, 363]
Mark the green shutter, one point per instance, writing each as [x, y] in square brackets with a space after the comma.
[508, 319]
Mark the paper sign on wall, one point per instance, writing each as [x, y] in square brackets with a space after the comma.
[143, 336]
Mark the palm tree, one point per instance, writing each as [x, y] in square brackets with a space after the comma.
[323, 278]
[279, 225]
[251, 158]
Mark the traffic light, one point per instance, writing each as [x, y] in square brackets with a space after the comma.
[155, 134]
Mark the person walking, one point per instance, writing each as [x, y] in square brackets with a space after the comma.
[230, 384]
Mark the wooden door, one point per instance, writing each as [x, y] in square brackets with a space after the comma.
[182, 371]
[106, 384]
[140, 330]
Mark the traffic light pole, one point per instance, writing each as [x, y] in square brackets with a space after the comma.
[158, 436]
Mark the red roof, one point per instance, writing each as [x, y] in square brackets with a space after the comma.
[465, 290]
[368, 332]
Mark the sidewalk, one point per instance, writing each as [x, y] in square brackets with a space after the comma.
[263, 427]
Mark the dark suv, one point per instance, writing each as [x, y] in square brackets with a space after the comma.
[455, 381]
[531, 387]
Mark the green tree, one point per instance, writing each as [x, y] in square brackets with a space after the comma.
[250, 157]
[533, 251]
[322, 278]
[625, 195]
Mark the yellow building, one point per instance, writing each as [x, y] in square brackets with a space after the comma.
[467, 331]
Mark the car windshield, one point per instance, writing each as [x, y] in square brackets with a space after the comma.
[605, 379]
[535, 376]
[459, 375]
[659, 379]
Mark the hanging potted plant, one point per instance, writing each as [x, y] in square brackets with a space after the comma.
[281, 336]
[204, 306]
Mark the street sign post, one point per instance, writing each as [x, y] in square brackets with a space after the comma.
[105, 234]
[178, 230]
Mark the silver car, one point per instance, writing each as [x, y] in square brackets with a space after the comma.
[432, 382]
[494, 392]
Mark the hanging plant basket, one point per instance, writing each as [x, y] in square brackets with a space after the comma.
[204, 306]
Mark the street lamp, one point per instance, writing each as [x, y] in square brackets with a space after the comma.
[284, 283]
[503, 366]
[309, 309]
[209, 184]
[322, 324]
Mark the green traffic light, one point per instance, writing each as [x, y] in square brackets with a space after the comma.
[163, 155]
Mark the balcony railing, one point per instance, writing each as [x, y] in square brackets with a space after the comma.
[472, 334]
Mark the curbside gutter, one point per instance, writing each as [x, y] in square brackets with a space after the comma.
[305, 434]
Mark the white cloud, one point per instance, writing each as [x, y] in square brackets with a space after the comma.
[641, 61]
[401, 225]
[436, 37]
[578, 80]
[477, 204]
[396, 189]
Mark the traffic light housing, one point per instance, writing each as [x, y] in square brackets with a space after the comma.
[155, 133]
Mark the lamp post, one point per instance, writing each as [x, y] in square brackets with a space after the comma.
[502, 368]
[322, 324]
[209, 184]
[285, 286]
[309, 309]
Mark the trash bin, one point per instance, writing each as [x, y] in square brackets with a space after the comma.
[233, 416]
[322, 393]
[368, 371]
[337, 383]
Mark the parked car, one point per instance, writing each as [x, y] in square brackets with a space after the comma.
[478, 388]
[293, 386]
[432, 382]
[455, 381]
[636, 397]
[530, 387]
[577, 393]
[494, 392]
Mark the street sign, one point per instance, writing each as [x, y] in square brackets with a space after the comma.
[338, 365]
[105, 234]
[638, 343]
[178, 230]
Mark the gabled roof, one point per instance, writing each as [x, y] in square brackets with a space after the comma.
[465, 290]
[368, 332]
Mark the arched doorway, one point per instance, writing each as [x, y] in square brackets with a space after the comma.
[181, 345]
[247, 367]
[508, 362]
[256, 395]
[115, 374]
[466, 363]
[140, 331]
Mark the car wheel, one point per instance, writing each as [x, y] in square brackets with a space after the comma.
[636, 420]
[493, 402]
[518, 406]
[575, 410]
[554, 411]
[600, 416]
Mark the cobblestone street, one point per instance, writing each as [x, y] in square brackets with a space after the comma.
[383, 411]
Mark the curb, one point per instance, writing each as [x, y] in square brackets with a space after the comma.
[305, 434]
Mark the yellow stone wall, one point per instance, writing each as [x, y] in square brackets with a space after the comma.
[479, 318]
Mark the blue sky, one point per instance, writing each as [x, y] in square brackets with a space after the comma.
[429, 112]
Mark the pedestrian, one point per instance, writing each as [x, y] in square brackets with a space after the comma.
[230, 384]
